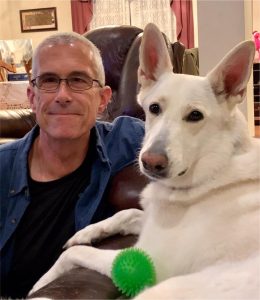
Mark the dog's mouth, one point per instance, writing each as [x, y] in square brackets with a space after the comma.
[183, 172]
[161, 175]
[155, 176]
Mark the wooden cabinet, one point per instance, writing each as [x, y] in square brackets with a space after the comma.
[256, 83]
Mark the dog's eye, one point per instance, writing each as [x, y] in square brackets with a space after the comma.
[194, 116]
[155, 109]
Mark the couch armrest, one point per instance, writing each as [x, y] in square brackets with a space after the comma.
[125, 188]
[81, 283]
[15, 123]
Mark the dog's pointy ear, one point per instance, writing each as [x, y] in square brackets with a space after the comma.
[154, 58]
[230, 77]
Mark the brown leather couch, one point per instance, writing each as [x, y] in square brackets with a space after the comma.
[15, 124]
[119, 47]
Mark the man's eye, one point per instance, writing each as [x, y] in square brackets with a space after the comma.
[77, 80]
[48, 79]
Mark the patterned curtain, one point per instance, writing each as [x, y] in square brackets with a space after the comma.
[81, 13]
[158, 12]
[110, 12]
[134, 12]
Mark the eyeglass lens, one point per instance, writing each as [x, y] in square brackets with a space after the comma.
[52, 82]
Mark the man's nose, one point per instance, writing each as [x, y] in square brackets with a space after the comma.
[63, 92]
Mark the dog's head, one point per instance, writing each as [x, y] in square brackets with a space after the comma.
[193, 125]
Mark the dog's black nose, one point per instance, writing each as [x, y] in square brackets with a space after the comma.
[155, 163]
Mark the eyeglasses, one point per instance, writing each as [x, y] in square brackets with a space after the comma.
[51, 82]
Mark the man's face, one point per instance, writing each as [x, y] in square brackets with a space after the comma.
[64, 113]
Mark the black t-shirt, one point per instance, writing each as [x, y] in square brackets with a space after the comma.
[47, 224]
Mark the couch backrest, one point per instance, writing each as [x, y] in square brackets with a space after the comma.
[117, 44]
[119, 47]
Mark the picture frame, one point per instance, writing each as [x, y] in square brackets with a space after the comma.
[39, 19]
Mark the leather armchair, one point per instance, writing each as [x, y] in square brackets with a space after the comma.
[119, 47]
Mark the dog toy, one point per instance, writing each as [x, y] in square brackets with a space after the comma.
[132, 271]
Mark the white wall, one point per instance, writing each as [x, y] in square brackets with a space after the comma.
[256, 15]
[10, 18]
[222, 25]
[195, 22]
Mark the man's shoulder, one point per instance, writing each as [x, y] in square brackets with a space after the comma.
[123, 125]
[9, 147]
[8, 153]
[121, 140]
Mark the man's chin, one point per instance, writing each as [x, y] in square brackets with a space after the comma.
[64, 134]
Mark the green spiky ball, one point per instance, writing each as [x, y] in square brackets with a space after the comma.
[132, 271]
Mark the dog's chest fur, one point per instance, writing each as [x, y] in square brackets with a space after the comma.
[187, 238]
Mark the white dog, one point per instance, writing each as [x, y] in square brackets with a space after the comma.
[201, 213]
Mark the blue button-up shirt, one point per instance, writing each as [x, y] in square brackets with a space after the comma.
[117, 145]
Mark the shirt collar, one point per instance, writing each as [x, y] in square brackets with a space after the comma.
[101, 148]
[20, 166]
[20, 170]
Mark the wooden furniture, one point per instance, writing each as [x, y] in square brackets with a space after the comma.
[3, 67]
[28, 67]
[256, 83]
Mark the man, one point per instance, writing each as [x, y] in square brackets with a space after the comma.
[53, 180]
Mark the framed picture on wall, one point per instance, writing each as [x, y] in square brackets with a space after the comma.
[39, 19]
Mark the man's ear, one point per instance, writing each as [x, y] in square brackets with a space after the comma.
[105, 95]
[31, 97]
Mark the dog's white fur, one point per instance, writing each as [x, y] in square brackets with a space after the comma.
[201, 218]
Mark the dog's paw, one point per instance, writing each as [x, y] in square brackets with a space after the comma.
[124, 222]
[86, 236]
[63, 264]
[43, 281]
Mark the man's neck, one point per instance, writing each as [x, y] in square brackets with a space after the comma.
[51, 159]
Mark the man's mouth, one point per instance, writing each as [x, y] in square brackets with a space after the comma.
[64, 114]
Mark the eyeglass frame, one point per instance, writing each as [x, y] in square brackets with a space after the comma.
[33, 81]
